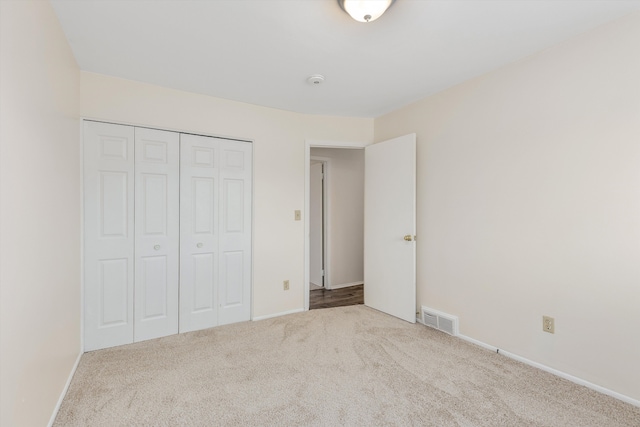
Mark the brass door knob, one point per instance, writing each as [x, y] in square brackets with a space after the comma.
[408, 238]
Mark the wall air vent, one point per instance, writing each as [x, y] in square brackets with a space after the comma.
[429, 319]
[441, 321]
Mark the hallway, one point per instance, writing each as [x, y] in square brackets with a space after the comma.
[323, 298]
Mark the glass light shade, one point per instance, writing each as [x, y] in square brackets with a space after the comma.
[365, 10]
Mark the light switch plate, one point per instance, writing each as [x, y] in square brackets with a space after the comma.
[297, 215]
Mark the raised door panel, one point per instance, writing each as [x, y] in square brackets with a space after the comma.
[204, 279]
[113, 292]
[154, 288]
[233, 278]
[203, 214]
[198, 232]
[233, 205]
[113, 204]
[154, 204]
[235, 231]
[108, 205]
[157, 233]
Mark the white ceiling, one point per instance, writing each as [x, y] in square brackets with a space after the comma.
[262, 51]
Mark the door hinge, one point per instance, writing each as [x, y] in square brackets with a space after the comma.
[322, 272]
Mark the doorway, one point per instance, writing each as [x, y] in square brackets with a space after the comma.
[336, 227]
[390, 230]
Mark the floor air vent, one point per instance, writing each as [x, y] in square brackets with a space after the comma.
[439, 320]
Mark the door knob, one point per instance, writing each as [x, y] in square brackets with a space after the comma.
[409, 238]
[199, 245]
[156, 247]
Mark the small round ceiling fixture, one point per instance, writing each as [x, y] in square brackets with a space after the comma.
[316, 79]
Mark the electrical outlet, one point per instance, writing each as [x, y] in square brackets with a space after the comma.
[548, 324]
[297, 215]
[285, 285]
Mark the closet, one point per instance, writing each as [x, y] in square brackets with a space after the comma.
[167, 233]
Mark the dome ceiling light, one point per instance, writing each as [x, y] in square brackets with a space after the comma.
[365, 10]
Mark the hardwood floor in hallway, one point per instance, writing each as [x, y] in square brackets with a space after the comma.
[324, 298]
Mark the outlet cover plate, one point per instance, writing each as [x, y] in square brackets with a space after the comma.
[548, 324]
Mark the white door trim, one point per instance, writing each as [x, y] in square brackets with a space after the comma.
[307, 180]
[326, 218]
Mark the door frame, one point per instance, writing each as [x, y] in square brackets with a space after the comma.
[326, 219]
[309, 143]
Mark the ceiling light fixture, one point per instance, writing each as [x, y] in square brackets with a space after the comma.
[365, 10]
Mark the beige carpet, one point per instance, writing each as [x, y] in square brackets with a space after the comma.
[371, 369]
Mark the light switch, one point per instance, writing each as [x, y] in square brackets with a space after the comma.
[297, 215]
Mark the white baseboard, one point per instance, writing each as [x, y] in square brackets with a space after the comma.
[284, 313]
[64, 391]
[345, 285]
[553, 371]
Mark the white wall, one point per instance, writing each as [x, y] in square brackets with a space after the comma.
[529, 204]
[346, 193]
[39, 212]
[279, 165]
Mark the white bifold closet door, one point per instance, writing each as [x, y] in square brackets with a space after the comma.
[108, 234]
[167, 233]
[215, 232]
[157, 233]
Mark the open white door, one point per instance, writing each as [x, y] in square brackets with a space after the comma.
[390, 227]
